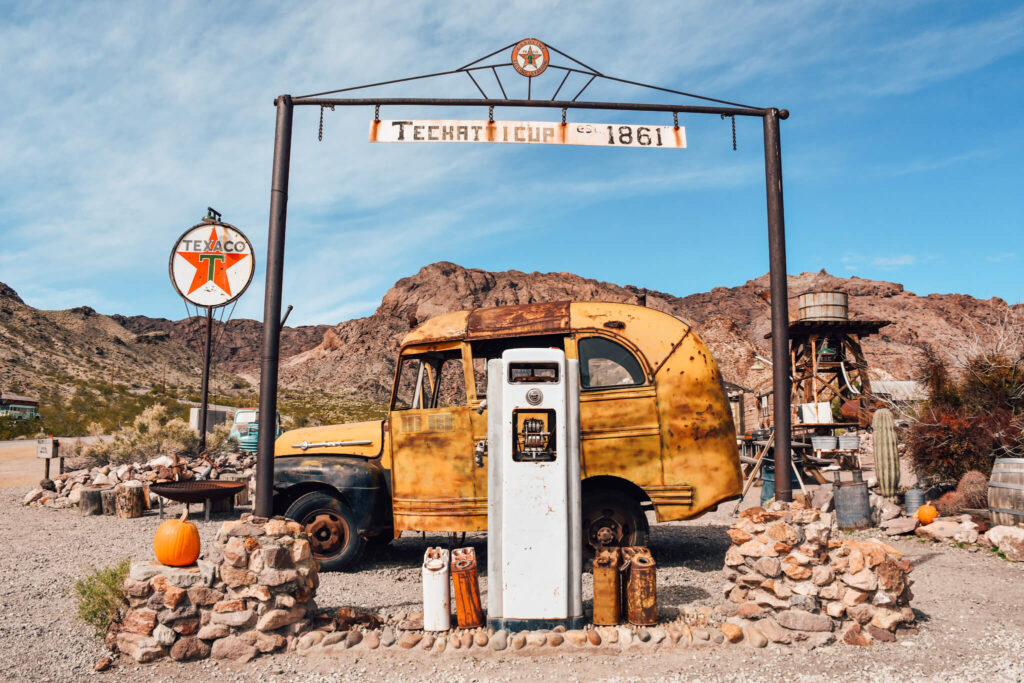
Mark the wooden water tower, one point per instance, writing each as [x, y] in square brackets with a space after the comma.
[828, 362]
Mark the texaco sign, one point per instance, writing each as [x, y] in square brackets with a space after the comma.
[212, 264]
[530, 57]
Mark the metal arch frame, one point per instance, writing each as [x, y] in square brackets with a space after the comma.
[285, 104]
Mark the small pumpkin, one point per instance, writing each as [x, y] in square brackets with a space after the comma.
[176, 542]
[926, 514]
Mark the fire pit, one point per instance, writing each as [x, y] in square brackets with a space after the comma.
[195, 491]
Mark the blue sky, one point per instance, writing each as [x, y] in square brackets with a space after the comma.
[122, 122]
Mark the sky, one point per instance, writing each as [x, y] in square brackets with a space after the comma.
[122, 122]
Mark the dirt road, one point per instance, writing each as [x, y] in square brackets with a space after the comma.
[968, 603]
[19, 465]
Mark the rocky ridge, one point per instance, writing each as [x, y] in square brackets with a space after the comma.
[359, 354]
[356, 357]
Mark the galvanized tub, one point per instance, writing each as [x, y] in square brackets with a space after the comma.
[823, 306]
[849, 442]
[824, 443]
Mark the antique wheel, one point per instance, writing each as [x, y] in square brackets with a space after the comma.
[330, 524]
[611, 518]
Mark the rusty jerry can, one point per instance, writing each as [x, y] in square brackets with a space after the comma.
[639, 585]
[466, 582]
[607, 587]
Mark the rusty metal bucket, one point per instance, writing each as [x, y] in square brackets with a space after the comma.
[466, 582]
[607, 587]
[641, 583]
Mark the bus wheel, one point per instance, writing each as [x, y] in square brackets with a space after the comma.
[330, 524]
[611, 518]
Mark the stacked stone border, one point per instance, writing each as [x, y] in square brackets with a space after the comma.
[793, 579]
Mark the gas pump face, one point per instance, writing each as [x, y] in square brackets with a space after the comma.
[534, 429]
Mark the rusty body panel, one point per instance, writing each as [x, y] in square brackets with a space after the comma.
[666, 435]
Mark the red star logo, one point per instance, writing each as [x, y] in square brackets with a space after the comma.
[211, 265]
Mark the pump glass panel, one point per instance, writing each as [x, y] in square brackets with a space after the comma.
[533, 373]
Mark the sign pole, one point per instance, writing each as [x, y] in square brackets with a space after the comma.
[264, 506]
[781, 385]
[205, 390]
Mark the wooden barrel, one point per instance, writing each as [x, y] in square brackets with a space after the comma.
[1006, 491]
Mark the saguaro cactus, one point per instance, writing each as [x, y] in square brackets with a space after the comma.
[887, 458]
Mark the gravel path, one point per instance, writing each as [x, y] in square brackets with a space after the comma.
[969, 605]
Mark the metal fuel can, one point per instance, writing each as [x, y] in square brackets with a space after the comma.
[607, 587]
[641, 586]
[466, 581]
[436, 590]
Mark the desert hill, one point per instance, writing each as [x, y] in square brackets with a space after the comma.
[356, 357]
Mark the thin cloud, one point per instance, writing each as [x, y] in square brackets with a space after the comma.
[893, 262]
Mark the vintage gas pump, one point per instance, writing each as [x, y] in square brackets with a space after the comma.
[534, 553]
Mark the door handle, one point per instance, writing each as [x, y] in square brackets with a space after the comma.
[480, 452]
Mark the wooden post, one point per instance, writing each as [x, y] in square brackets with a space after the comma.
[109, 497]
[91, 502]
[129, 502]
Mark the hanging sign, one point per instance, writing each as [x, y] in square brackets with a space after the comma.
[530, 132]
[211, 264]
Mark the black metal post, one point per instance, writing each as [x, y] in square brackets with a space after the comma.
[204, 391]
[781, 382]
[264, 506]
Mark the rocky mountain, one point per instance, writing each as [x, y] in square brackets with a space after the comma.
[356, 357]
[41, 351]
[236, 346]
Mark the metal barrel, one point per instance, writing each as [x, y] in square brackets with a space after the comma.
[466, 581]
[823, 306]
[641, 588]
[1006, 491]
[607, 587]
[436, 590]
[913, 499]
[853, 506]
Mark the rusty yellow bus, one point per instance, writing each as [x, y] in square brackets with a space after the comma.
[656, 431]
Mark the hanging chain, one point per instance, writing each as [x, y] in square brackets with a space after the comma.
[376, 113]
[675, 119]
[490, 114]
[320, 135]
[563, 116]
[733, 119]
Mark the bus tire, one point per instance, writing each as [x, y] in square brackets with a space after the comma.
[330, 523]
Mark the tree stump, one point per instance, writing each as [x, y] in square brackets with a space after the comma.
[129, 502]
[91, 502]
[109, 497]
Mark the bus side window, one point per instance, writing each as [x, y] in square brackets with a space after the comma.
[605, 363]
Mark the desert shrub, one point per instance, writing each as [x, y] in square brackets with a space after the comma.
[220, 440]
[971, 417]
[100, 595]
[154, 432]
[973, 487]
[949, 504]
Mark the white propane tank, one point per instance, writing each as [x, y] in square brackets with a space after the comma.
[436, 590]
[534, 546]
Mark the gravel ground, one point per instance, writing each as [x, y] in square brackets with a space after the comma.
[968, 602]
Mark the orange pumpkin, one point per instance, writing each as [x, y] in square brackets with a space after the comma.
[926, 514]
[176, 542]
